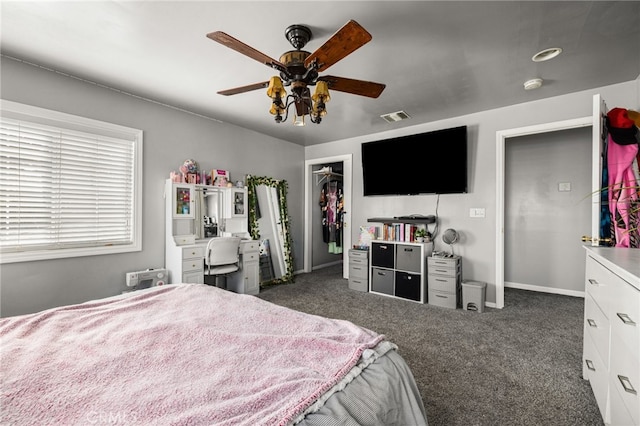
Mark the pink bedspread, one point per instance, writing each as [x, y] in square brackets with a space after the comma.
[185, 354]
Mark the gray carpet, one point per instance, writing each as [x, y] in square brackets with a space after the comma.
[520, 365]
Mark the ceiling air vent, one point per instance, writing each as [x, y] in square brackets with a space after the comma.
[395, 116]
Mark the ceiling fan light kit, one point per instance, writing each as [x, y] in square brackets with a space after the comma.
[300, 69]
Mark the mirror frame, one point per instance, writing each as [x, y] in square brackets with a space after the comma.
[252, 199]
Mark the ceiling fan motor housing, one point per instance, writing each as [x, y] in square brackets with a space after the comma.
[294, 61]
[298, 35]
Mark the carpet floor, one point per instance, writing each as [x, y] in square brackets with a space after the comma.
[521, 365]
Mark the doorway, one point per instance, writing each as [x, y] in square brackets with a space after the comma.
[501, 140]
[547, 210]
[310, 208]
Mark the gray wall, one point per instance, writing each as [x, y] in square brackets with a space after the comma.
[170, 137]
[543, 225]
[477, 244]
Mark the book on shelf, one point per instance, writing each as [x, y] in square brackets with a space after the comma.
[402, 232]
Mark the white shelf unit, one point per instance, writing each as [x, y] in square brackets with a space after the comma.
[399, 269]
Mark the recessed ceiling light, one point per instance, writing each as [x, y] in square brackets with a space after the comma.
[534, 83]
[546, 54]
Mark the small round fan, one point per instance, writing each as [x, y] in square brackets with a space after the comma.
[450, 236]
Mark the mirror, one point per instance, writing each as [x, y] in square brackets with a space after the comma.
[269, 224]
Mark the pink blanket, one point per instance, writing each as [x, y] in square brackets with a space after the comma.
[178, 354]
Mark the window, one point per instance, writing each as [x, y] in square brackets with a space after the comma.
[69, 186]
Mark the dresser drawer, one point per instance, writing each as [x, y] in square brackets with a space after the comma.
[358, 284]
[442, 262]
[191, 265]
[248, 246]
[596, 373]
[620, 414]
[624, 315]
[361, 261]
[442, 299]
[249, 256]
[358, 255]
[449, 267]
[442, 283]
[624, 375]
[597, 326]
[598, 279]
[193, 252]
[358, 271]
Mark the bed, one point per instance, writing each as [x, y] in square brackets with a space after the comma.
[192, 354]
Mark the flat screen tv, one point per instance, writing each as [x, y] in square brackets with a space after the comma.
[426, 163]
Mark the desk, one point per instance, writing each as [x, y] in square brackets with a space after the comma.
[186, 265]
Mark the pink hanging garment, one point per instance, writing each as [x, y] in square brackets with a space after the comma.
[623, 193]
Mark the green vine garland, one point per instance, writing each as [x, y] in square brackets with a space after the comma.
[281, 186]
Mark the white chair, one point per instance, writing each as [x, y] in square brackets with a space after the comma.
[222, 258]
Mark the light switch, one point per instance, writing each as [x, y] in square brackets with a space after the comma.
[476, 212]
[564, 186]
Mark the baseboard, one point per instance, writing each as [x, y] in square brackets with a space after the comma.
[543, 289]
[326, 265]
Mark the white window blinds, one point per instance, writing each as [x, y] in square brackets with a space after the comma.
[68, 186]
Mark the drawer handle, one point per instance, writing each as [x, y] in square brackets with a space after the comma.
[592, 323]
[593, 281]
[441, 280]
[383, 247]
[442, 271]
[409, 249]
[356, 268]
[625, 319]
[626, 384]
[590, 364]
[442, 297]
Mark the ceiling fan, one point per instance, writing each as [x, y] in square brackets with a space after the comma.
[300, 69]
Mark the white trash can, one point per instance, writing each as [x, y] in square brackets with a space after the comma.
[473, 295]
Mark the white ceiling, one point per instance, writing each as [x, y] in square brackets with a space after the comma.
[437, 59]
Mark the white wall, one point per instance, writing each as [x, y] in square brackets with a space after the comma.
[170, 137]
[477, 245]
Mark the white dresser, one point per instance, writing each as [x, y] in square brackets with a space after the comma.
[611, 354]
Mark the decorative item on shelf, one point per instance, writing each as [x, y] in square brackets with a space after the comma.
[450, 236]
[189, 170]
[220, 178]
[422, 236]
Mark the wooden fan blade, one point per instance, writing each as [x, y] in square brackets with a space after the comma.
[238, 46]
[348, 38]
[356, 87]
[243, 89]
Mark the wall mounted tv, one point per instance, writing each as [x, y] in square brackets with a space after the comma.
[426, 163]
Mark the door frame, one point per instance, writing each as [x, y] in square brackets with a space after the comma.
[502, 137]
[309, 204]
